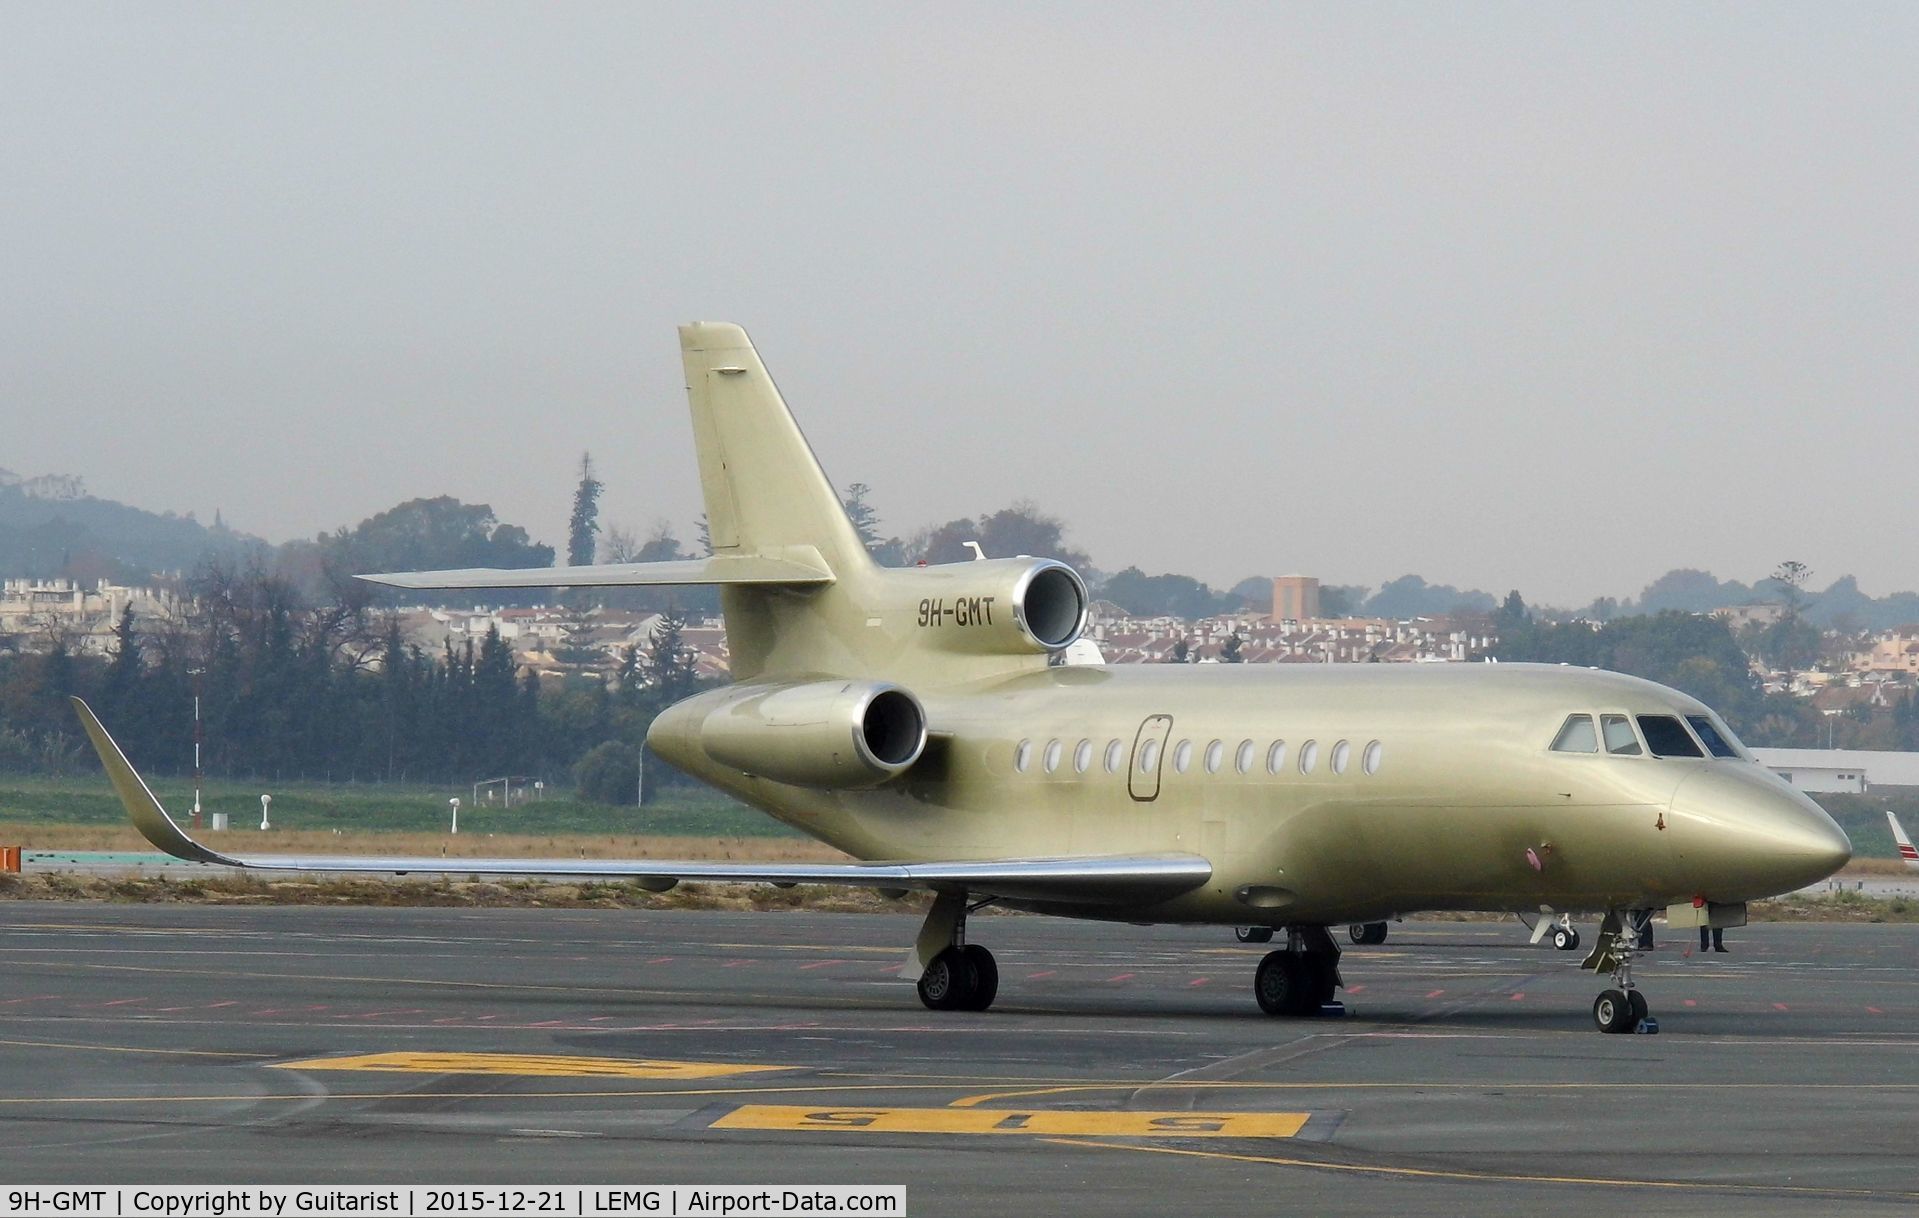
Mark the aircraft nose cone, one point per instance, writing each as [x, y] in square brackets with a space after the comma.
[1743, 834]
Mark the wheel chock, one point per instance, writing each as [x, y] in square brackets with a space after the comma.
[1648, 1027]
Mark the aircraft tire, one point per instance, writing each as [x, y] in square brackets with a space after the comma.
[1367, 934]
[985, 978]
[949, 981]
[1612, 1012]
[1566, 939]
[1283, 985]
[1253, 934]
[1636, 1001]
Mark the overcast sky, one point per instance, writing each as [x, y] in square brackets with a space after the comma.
[1547, 296]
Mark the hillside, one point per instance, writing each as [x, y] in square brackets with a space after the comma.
[51, 527]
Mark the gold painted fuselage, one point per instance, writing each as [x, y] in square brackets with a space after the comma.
[1431, 787]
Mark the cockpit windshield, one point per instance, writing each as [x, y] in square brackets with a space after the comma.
[1620, 740]
[1667, 737]
[1577, 736]
[1715, 740]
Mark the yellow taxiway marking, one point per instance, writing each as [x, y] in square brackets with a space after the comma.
[540, 1064]
[1430, 1173]
[1030, 1121]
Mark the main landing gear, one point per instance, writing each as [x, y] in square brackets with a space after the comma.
[954, 975]
[1300, 978]
[1621, 1008]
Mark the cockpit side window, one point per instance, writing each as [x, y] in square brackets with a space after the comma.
[1577, 736]
[1620, 740]
[1709, 735]
[1667, 737]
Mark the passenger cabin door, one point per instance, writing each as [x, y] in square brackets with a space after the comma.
[1149, 754]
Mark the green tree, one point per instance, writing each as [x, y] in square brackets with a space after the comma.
[584, 524]
[609, 773]
[1229, 651]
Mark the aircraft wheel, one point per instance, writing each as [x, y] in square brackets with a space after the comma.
[1636, 1001]
[1566, 939]
[1367, 934]
[1253, 934]
[985, 978]
[1282, 985]
[1612, 1012]
[948, 981]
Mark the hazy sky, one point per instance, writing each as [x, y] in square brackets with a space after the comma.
[1551, 296]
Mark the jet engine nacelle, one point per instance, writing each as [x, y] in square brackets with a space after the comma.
[833, 735]
[1001, 606]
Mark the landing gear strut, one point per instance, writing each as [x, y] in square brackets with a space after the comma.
[1621, 1008]
[954, 975]
[1301, 977]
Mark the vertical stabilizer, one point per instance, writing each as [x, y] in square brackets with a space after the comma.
[765, 491]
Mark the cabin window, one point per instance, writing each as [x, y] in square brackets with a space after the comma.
[1667, 737]
[1023, 756]
[1183, 756]
[1577, 736]
[1115, 755]
[1342, 753]
[1276, 757]
[1051, 760]
[1308, 756]
[1244, 758]
[1149, 756]
[1710, 736]
[1620, 741]
[1083, 757]
[1370, 759]
[1215, 753]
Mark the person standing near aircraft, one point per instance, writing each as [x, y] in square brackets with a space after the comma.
[1712, 939]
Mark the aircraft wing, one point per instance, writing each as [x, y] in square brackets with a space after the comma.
[1097, 879]
[726, 569]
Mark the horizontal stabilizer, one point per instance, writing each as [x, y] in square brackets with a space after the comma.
[740, 569]
[1096, 879]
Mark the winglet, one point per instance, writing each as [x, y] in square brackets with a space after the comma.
[148, 816]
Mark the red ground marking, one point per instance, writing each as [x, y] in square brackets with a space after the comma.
[1045, 972]
[231, 1002]
[1690, 1002]
[1780, 1006]
[1122, 977]
[601, 1018]
[1435, 993]
[1197, 981]
[270, 1011]
[660, 960]
[118, 1002]
[481, 1018]
[1875, 1010]
[1354, 989]
[821, 963]
[1518, 994]
[736, 964]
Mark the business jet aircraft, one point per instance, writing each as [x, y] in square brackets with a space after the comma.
[1907, 851]
[911, 717]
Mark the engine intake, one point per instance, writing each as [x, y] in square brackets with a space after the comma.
[834, 735]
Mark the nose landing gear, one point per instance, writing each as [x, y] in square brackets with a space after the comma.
[1622, 1008]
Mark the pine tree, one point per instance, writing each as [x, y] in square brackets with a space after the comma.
[585, 521]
